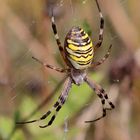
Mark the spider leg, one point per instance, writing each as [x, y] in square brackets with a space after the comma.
[102, 95]
[100, 40]
[61, 100]
[51, 67]
[57, 37]
[57, 106]
[52, 118]
[102, 60]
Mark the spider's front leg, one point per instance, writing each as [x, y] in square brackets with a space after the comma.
[57, 106]
[102, 95]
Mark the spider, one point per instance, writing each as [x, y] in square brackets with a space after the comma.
[78, 55]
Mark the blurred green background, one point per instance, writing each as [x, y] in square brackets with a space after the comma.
[27, 89]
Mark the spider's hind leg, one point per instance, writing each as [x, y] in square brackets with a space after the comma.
[54, 28]
[100, 40]
[102, 60]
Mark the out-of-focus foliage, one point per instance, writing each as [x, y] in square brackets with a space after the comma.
[25, 31]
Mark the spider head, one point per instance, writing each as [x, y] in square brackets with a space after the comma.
[78, 76]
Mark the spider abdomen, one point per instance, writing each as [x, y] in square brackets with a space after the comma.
[78, 48]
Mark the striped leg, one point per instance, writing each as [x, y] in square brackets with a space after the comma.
[50, 66]
[57, 106]
[102, 95]
[57, 37]
[102, 60]
[61, 100]
[99, 43]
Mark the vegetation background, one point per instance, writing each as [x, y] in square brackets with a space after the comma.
[28, 90]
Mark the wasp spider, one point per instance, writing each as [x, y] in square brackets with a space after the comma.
[78, 55]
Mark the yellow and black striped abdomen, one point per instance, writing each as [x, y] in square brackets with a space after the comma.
[78, 48]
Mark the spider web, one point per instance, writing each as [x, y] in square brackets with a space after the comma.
[25, 56]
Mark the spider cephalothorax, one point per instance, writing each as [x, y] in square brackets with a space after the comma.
[78, 55]
[78, 76]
